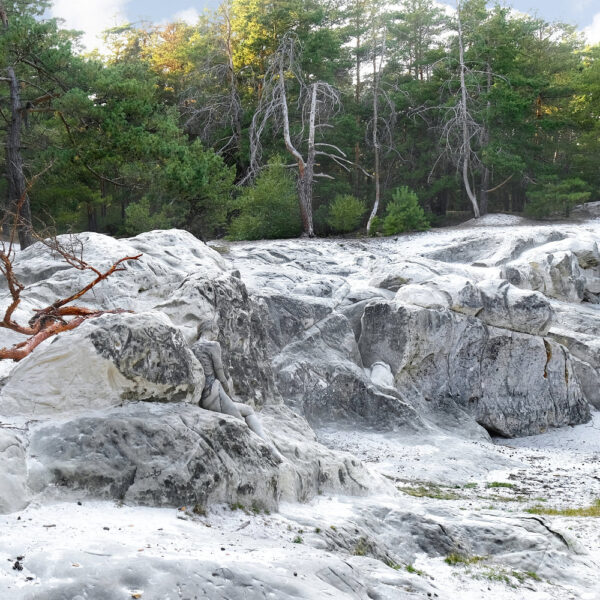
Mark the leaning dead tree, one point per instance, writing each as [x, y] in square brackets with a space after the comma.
[469, 127]
[317, 101]
[381, 126]
[461, 132]
[61, 315]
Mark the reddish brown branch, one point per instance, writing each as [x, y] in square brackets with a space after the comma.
[20, 351]
[49, 321]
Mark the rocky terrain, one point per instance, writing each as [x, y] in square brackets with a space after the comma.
[395, 377]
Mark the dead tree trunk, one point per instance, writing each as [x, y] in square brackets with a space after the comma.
[357, 102]
[305, 175]
[375, 134]
[234, 99]
[485, 140]
[318, 101]
[464, 117]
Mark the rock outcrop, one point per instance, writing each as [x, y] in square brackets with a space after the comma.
[512, 383]
[106, 361]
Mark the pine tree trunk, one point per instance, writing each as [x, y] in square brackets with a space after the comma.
[18, 199]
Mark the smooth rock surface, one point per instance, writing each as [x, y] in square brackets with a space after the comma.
[106, 361]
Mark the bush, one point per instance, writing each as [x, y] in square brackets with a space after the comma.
[553, 196]
[345, 213]
[139, 217]
[404, 213]
[269, 209]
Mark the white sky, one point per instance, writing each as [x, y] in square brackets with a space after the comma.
[94, 16]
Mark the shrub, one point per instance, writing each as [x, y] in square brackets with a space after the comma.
[345, 213]
[553, 196]
[140, 217]
[268, 209]
[404, 213]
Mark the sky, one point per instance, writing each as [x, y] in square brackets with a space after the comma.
[94, 16]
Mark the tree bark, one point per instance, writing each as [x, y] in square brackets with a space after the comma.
[485, 140]
[466, 149]
[18, 199]
[376, 149]
[305, 188]
[357, 102]
[305, 175]
[233, 93]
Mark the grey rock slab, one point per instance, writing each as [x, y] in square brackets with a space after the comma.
[512, 383]
[106, 361]
[159, 455]
[222, 309]
[322, 375]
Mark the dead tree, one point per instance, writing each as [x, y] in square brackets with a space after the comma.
[208, 113]
[380, 127]
[61, 315]
[318, 102]
[14, 159]
[468, 125]
[460, 130]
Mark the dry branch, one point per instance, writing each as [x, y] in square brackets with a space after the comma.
[57, 317]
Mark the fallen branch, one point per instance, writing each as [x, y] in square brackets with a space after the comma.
[57, 317]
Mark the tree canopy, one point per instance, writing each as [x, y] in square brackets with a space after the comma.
[179, 125]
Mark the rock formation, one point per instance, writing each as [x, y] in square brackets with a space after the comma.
[439, 338]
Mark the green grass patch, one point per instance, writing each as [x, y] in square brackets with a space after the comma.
[456, 558]
[510, 578]
[429, 491]
[361, 548]
[415, 571]
[586, 511]
[500, 484]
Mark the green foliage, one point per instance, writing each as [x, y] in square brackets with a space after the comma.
[412, 569]
[404, 213]
[455, 558]
[554, 196]
[140, 217]
[156, 134]
[345, 213]
[268, 209]
[586, 511]
[430, 490]
[362, 547]
[500, 484]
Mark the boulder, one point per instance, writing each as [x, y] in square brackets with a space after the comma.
[178, 454]
[322, 376]
[106, 361]
[568, 270]
[159, 455]
[167, 258]
[493, 301]
[512, 383]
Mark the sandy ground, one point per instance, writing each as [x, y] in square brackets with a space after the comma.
[558, 469]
